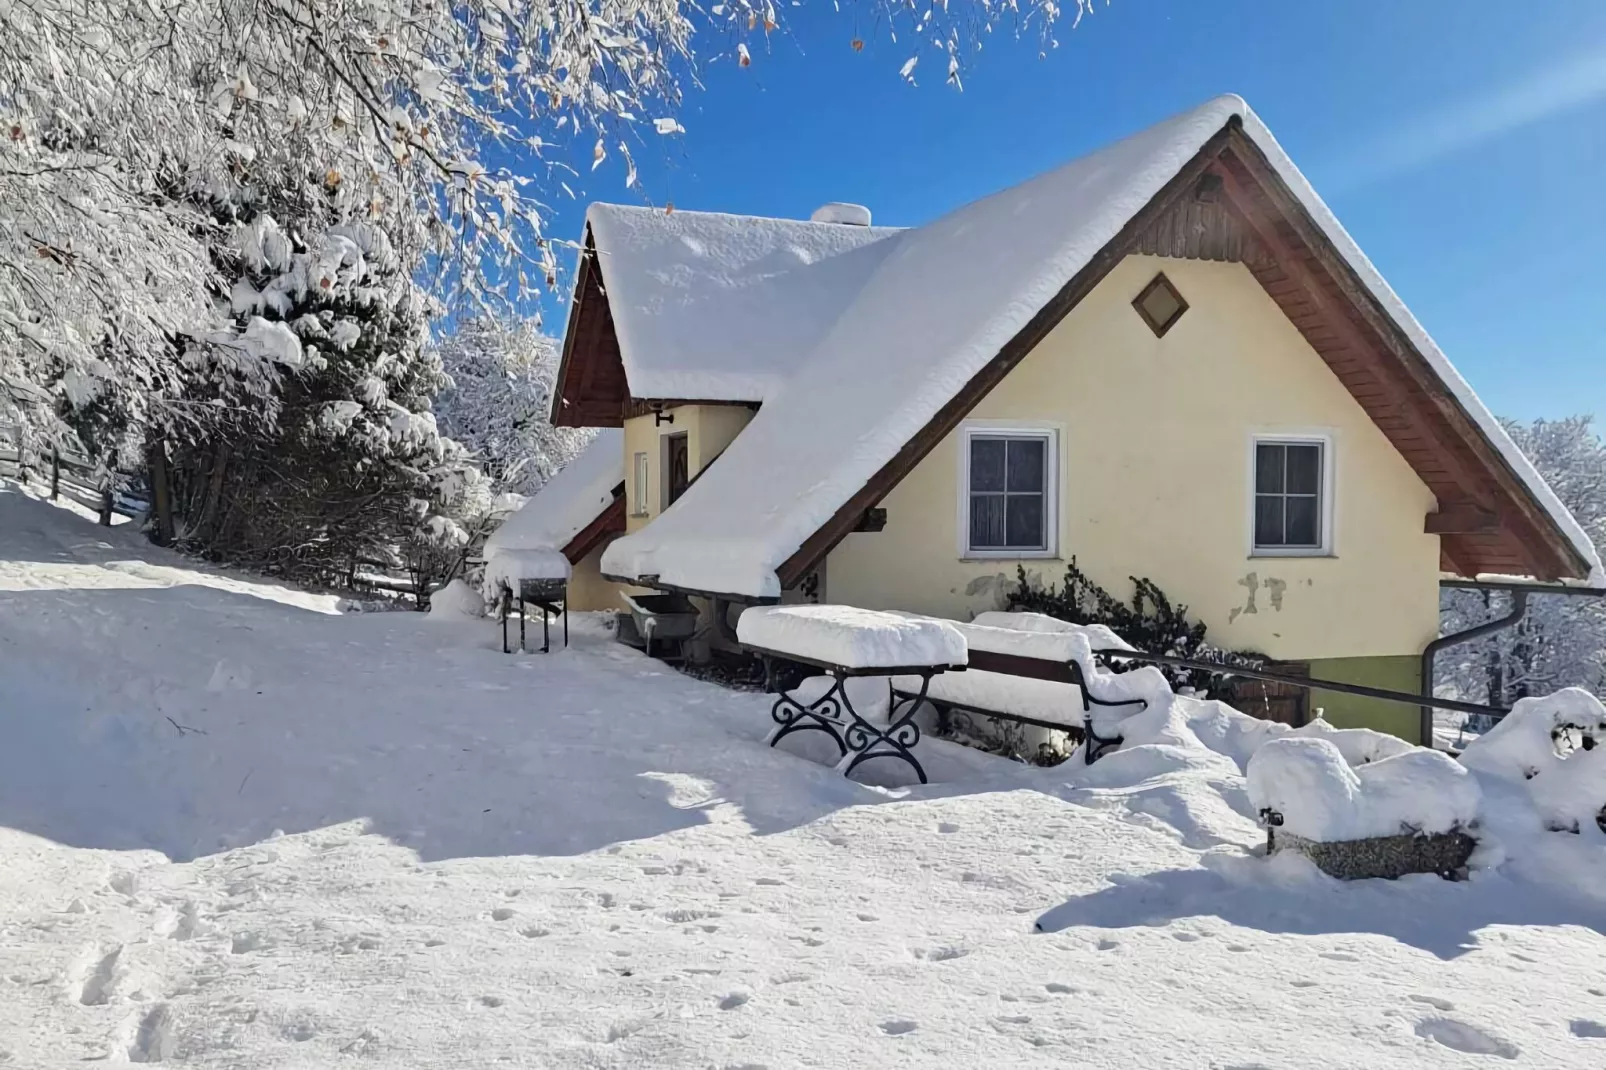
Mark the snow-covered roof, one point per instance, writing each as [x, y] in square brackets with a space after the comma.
[569, 501]
[722, 307]
[941, 302]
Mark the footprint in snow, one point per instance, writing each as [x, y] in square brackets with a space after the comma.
[1061, 989]
[1340, 956]
[1435, 1002]
[491, 1001]
[1586, 1029]
[734, 1000]
[533, 931]
[769, 882]
[1108, 945]
[1465, 1037]
[897, 1027]
[947, 827]
[942, 954]
[501, 913]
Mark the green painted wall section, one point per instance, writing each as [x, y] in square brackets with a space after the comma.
[1401, 673]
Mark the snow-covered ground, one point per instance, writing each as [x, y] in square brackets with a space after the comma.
[239, 828]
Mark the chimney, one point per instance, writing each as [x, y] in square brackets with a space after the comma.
[853, 215]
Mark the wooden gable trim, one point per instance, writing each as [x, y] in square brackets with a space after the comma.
[846, 518]
[611, 521]
[591, 390]
[1407, 398]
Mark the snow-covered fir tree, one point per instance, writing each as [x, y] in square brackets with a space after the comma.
[499, 403]
[1562, 640]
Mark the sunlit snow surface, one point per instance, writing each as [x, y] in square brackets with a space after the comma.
[588, 860]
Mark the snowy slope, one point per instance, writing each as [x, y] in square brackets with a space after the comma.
[587, 860]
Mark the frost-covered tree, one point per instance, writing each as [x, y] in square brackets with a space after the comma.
[1562, 640]
[352, 464]
[499, 404]
[121, 119]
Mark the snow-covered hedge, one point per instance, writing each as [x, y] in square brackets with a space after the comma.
[1555, 748]
[1320, 796]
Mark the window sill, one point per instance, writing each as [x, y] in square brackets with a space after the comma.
[1291, 552]
[1010, 555]
[639, 516]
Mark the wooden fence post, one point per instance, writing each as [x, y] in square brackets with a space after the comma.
[55, 473]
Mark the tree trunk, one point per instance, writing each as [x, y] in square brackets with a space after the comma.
[161, 497]
[214, 491]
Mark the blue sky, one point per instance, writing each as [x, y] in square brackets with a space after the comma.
[1462, 142]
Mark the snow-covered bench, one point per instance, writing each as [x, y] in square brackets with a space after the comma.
[1025, 668]
[845, 643]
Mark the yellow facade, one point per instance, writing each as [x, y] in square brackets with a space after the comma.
[587, 589]
[1154, 440]
[708, 430]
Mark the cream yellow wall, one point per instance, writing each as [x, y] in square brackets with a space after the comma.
[587, 589]
[1154, 438]
[708, 429]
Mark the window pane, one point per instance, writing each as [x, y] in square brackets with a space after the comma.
[1025, 516]
[1302, 523]
[1026, 464]
[986, 464]
[986, 521]
[1268, 468]
[1304, 469]
[1160, 304]
[1268, 520]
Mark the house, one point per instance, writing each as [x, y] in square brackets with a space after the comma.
[1166, 359]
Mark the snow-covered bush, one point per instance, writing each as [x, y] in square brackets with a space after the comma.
[1321, 796]
[1151, 623]
[1555, 748]
[456, 601]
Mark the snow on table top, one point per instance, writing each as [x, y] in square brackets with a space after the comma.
[852, 638]
[506, 568]
[940, 303]
[570, 500]
[710, 305]
[1321, 797]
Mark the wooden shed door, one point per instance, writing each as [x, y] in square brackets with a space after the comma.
[677, 467]
[1273, 701]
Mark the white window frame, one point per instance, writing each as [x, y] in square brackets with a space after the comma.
[1051, 490]
[1324, 438]
[641, 474]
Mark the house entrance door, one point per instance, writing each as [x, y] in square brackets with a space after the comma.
[677, 467]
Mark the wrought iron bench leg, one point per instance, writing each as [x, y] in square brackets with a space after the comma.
[867, 741]
[824, 714]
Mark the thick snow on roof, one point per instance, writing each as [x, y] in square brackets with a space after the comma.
[941, 303]
[569, 501]
[723, 307]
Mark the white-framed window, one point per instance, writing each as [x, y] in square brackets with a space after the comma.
[638, 486]
[1008, 491]
[1291, 499]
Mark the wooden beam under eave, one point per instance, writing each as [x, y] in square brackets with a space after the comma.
[1461, 520]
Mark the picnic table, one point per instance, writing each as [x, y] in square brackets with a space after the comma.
[844, 643]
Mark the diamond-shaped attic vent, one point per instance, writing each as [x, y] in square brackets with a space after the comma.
[1160, 305]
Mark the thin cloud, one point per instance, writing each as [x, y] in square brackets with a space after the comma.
[1551, 90]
